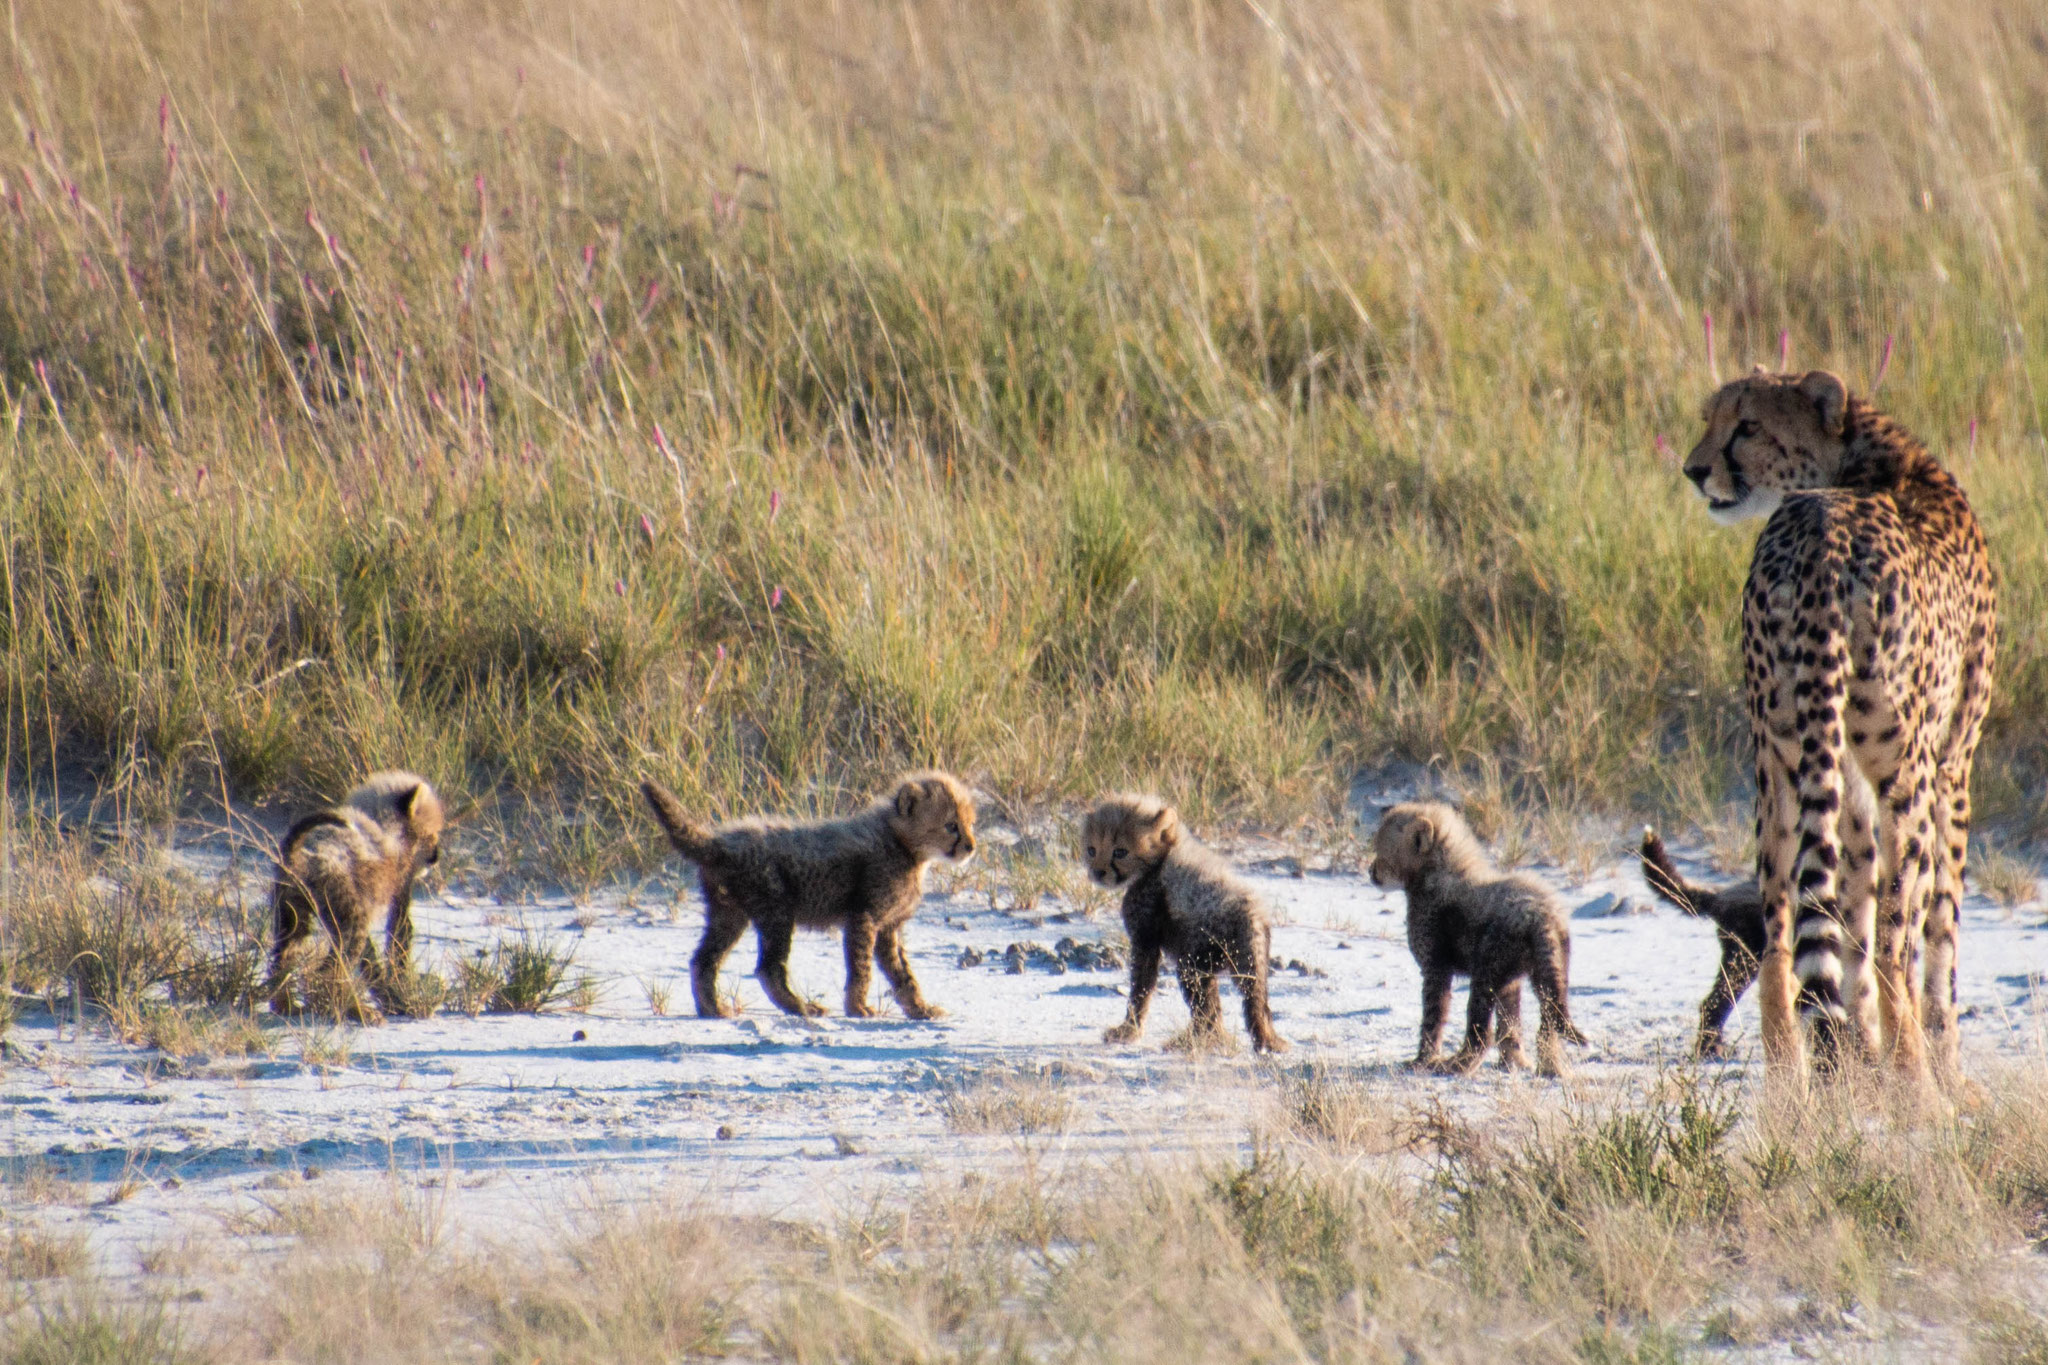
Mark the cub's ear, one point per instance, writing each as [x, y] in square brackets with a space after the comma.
[1422, 836]
[907, 797]
[1830, 397]
[1166, 827]
[405, 802]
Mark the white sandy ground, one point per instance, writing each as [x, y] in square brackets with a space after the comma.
[514, 1122]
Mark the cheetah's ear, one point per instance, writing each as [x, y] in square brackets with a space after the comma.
[1830, 395]
[1423, 836]
[907, 797]
[405, 802]
[1166, 827]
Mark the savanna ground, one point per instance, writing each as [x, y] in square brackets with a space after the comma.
[1220, 398]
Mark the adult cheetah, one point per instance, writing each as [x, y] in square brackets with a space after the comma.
[1868, 626]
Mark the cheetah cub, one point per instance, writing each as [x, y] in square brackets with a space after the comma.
[1181, 900]
[1738, 915]
[1466, 919]
[336, 869]
[863, 874]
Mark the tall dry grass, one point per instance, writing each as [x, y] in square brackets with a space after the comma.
[1212, 396]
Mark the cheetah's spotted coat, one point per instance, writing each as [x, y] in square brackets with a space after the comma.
[1868, 626]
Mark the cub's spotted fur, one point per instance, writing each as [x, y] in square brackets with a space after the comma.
[337, 870]
[862, 875]
[1466, 919]
[1182, 901]
[1868, 627]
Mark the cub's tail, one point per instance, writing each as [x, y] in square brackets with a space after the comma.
[691, 839]
[1662, 875]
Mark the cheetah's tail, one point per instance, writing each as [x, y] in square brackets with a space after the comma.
[1661, 875]
[691, 839]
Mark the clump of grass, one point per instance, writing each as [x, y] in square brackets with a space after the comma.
[535, 974]
[110, 943]
[93, 1328]
[1017, 879]
[1297, 1227]
[27, 1253]
[1007, 1102]
[1339, 1113]
[2009, 880]
[185, 1031]
[325, 1049]
[528, 974]
[416, 992]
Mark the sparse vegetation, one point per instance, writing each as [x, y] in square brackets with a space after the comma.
[26, 1254]
[1647, 1230]
[108, 942]
[1217, 400]
[1339, 1113]
[83, 1330]
[527, 974]
[2007, 878]
[1007, 1102]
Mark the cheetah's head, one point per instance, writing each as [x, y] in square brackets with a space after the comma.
[1126, 837]
[933, 815]
[1769, 435]
[407, 809]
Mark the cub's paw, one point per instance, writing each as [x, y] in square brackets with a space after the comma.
[1122, 1033]
[924, 1012]
[1272, 1042]
[856, 1009]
